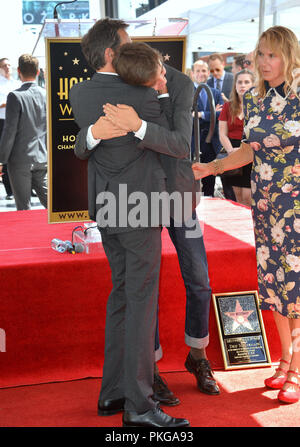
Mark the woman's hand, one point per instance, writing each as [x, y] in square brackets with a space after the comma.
[202, 170]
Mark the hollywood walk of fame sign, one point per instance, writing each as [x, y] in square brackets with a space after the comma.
[67, 175]
[241, 330]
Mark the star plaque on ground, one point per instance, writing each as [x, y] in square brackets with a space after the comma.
[241, 330]
[240, 317]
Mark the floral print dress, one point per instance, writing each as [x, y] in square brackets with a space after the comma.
[272, 127]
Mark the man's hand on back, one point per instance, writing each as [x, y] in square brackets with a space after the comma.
[105, 129]
[124, 115]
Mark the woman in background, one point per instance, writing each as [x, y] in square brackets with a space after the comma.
[231, 124]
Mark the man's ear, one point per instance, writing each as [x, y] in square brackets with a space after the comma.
[109, 55]
[20, 74]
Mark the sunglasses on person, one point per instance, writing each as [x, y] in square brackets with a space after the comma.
[247, 62]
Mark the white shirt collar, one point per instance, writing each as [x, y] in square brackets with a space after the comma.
[107, 73]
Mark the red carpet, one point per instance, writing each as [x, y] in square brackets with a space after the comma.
[243, 402]
[53, 305]
[52, 310]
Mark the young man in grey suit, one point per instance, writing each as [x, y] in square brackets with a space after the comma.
[190, 249]
[189, 244]
[133, 253]
[23, 143]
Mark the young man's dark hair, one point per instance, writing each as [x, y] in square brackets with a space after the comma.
[136, 63]
[28, 65]
[104, 34]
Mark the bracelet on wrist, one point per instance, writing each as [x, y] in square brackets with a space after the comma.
[218, 166]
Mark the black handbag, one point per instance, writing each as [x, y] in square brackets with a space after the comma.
[238, 171]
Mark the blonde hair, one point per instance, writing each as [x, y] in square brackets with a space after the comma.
[283, 42]
[235, 102]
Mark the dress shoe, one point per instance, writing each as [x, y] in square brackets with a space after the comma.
[152, 418]
[162, 394]
[109, 407]
[288, 396]
[203, 373]
[276, 383]
[9, 197]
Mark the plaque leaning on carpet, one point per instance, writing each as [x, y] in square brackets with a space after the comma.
[241, 330]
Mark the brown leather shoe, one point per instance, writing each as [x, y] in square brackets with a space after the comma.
[162, 394]
[203, 373]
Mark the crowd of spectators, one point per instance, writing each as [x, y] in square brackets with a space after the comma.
[221, 81]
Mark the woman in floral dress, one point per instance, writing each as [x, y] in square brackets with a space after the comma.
[272, 142]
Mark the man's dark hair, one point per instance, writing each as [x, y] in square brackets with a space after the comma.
[239, 60]
[104, 34]
[137, 63]
[214, 56]
[28, 65]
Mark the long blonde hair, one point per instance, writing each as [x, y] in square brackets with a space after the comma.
[281, 41]
[235, 102]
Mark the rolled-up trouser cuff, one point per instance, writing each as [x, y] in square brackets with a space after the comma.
[199, 343]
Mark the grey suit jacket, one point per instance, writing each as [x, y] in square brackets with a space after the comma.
[118, 160]
[179, 172]
[172, 145]
[227, 83]
[24, 134]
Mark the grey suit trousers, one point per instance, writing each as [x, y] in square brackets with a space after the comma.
[134, 257]
[27, 176]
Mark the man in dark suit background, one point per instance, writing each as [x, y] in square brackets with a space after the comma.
[220, 79]
[133, 253]
[208, 150]
[23, 143]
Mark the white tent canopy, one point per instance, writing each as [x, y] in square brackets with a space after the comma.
[217, 25]
[203, 14]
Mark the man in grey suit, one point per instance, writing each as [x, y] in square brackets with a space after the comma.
[186, 234]
[23, 142]
[133, 253]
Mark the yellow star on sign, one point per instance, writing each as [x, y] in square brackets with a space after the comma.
[75, 61]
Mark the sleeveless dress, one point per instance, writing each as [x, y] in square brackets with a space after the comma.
[272, 128]
[235, 133]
